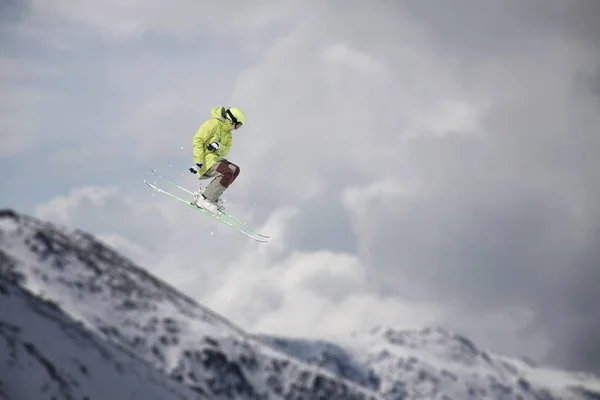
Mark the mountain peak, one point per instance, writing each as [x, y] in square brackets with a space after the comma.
[443, 342]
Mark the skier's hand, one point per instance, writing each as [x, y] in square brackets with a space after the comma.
[196, 168]
[214, 146]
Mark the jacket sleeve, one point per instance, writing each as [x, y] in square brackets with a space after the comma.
[201, 138]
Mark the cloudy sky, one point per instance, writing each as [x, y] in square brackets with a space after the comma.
[418, 163]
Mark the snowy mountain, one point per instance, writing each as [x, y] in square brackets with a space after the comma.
[78, 319]
[122, 304]
[434, 363]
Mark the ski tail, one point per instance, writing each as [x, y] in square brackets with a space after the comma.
[234, 219]
[237, 221]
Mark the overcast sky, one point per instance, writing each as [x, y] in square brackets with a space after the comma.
[418, 163]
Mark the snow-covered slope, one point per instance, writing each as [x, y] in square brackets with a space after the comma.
[433, 363]
[45, 355]
[123, 304]
[124, 307]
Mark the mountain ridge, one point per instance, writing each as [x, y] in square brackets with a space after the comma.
[118, 301]
[196, 347]
[144, 274]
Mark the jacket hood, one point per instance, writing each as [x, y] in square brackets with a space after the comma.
[217, 113]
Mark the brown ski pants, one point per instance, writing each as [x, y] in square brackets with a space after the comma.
[224, 173]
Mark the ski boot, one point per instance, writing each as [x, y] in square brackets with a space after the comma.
[213, 207]
[207, 205]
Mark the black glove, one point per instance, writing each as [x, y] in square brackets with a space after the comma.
[196, 168]
[214, 146]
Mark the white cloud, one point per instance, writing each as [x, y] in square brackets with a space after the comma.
[450, 117]
[359, 200]
[126, 247]
[133, 225]
[62, 208]
[308, 294]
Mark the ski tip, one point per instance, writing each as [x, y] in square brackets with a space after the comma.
[155, 172]
[150, 185]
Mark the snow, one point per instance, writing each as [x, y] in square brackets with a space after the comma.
[43, 355]
[129, 308]
[432, 362]
[138, 336]
[7, 225]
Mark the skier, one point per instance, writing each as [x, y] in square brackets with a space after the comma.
[211, 143]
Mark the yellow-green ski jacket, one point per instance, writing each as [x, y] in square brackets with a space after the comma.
[216, 129]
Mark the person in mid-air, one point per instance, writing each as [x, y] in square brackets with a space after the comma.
[211, 143]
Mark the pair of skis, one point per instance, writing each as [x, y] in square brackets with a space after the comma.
[223, 217]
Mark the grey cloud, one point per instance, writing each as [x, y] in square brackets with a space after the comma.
[503, 217]
[487, 26]
[496, 245]
[507, 219]
[322, 224]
